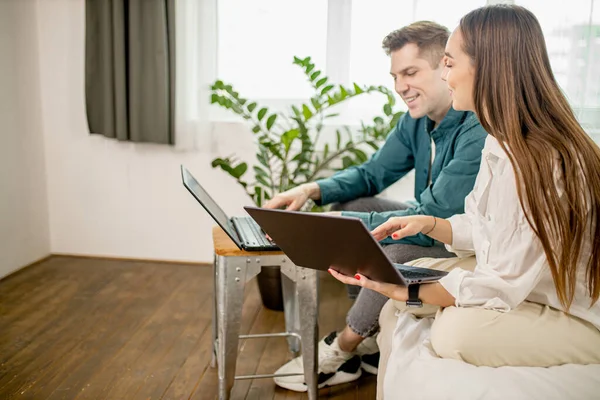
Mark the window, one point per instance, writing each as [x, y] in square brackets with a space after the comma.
[257, 41]
[572, 36]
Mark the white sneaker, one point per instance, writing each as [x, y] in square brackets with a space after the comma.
[368, 350]
[335, 367]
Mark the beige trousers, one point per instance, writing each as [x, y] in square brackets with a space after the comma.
[531, 335]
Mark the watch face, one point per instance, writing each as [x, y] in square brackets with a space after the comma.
[414, 303]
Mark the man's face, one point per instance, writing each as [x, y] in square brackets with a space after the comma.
[420, 86]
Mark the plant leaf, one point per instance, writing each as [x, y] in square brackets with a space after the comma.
[315, 75]
[347, 162]
[239, 170]
[373, 145]
[262, 113]
[306, 111]
[360, 155]
[358, 89]
[261, 159]
[326, 89]
[271, 121]
[288, 137]
[251, 107]
[387, 109]
[262, 181]
[395, 119]
[259, 171]
[258, 197]
[224, 163]
[315, 103]
[343, 92]
[321, 82]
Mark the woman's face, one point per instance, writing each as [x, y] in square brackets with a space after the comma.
[459, 73]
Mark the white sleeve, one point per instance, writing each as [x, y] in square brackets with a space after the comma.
[462, 236]
[510, 258]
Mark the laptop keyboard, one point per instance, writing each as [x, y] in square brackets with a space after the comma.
[410, 274]
[253, 231]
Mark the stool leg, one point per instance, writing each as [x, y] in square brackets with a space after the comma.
[231, 278]
[291, 312]
[215, 332]
[308, 296]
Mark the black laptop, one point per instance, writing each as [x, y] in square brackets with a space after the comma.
[244, 232]
[320, 241]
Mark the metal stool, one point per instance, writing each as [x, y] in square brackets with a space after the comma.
[232, 269]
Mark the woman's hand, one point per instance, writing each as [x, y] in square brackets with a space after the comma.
[430, 293]
[401, 227]
[392, 291]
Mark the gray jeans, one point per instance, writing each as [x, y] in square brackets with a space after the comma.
[363, 317]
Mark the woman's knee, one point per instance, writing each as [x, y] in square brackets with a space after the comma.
[452, 336]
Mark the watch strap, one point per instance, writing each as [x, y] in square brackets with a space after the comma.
[413, 296]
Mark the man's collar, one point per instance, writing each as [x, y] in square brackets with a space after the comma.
[449, 122]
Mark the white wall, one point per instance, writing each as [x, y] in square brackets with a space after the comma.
[24, 233]
[112, 198]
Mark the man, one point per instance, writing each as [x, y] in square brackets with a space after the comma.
[441, 144]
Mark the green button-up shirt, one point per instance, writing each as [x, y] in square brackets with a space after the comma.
[459, 139]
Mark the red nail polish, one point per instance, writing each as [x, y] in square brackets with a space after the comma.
[357, 277]
[394, 236]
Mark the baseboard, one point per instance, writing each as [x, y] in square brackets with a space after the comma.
[102, 257]
[21, 269]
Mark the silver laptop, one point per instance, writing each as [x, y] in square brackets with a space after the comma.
[245, 233]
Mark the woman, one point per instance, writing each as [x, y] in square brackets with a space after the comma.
[530, 294]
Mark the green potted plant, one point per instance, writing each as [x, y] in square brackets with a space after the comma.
[290, 146]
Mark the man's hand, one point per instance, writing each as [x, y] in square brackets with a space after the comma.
[295, 198]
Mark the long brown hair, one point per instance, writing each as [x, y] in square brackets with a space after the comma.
[519, 102]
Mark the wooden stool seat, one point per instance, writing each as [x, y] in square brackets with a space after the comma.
[224, 246]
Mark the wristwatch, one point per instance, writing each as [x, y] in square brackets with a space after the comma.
[413, 296]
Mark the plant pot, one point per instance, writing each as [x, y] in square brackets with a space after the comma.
[269, 286]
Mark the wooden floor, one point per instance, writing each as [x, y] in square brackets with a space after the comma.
[77, 328]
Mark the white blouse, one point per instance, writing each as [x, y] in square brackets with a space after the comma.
[511, 263]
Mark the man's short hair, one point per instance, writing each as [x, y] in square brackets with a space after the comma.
[429, 37]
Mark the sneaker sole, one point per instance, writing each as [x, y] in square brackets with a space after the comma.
[339, 378]
[369, 368]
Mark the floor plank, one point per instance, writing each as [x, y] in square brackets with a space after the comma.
[84, 328]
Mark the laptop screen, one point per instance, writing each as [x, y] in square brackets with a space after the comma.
[207, 202]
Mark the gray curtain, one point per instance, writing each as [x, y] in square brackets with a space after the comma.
[130, 69]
